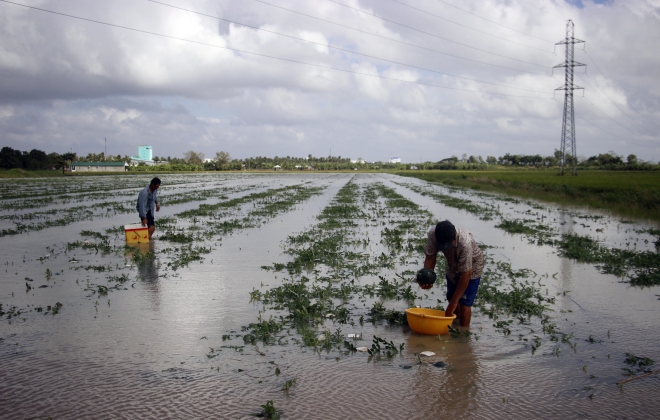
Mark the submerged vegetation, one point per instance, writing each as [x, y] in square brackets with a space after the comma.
[640, 268]
[633, 194]
[341, 284]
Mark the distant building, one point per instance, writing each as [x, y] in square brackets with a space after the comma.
[277, 167]
[395, 159]
[145, 154]
[98, 166]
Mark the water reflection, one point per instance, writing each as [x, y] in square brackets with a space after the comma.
[449, 390]
[148, 270]
[566, 265]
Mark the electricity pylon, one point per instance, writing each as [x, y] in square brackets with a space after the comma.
[568, 128]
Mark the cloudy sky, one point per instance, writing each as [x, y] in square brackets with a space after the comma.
[419, 79]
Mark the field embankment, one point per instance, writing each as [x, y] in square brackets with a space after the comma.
[634, 194]
[21, 173]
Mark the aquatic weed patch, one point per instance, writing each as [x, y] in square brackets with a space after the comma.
[537, 233]
[640, 268]
[484, 213]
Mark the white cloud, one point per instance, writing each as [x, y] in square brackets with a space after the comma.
[78, 82]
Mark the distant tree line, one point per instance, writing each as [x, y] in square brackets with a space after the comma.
[195, 161]
[34, 159]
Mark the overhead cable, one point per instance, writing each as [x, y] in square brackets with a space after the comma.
[610, 118]
[263, 55]
[496, 23]
[610, 132]
[395, 40]
[469, 27]
[346, 50]
[595, 84]
[593, 61]
[430, 34]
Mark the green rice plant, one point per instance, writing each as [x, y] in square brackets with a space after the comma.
[187, 254]
[178, 237]
[263, 331]
[641, 268]
[119, 279]
[539, 233]
[387, 348]
[640, 364]
[483, 212]
[379, 312]
[94, 234]
[137, 256]
[269, 411]
[627, 193]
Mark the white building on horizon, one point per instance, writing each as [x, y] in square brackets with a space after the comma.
[145, 154]
[395, 159]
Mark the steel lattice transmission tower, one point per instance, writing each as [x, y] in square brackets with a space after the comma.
[568, 127]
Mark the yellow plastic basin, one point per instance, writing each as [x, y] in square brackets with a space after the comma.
[428, 321]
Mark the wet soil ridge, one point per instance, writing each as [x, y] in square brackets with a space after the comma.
[196, 236]
[332, 301]
[633, 194]
[316, 307]
[24, 218]
[639, 268]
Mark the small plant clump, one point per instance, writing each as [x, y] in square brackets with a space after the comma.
[641, 268]
[637, 364]
[269, 411]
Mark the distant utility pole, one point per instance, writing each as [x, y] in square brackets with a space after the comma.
[105, 153]
[568, 128]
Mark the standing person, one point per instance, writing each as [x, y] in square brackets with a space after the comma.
[465, 263]
[147, 202]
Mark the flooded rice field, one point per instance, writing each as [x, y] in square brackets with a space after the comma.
[260, 293]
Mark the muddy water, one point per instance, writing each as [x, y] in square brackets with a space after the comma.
[155, 350]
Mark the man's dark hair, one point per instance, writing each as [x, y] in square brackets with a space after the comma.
[444, 234]
[155, 181]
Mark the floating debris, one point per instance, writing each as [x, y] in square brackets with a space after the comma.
[439, 364]
[362, 349]
[427, 353]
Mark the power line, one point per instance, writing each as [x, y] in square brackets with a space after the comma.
[612, 134]
[394, 40]
[433, 35]
[468, 27]
[602, 129]
[610, 118]
[593, 61]
[496, 23]
[607, 131]
[264, 55]
[612, 101]
[346, 50]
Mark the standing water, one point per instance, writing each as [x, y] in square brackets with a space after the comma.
[258, 295]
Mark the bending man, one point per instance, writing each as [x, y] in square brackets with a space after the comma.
[147, 204]
[465, 263]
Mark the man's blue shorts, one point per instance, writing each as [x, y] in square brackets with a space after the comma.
[468, 296]
[150, 219]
